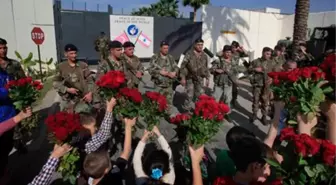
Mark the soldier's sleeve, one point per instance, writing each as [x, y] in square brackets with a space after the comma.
[183, 69]
[101, 69]
[215, 65]
[207, 71]
[153, 70]
[140, 67]
[58, 83]
[89, 78]
[175, 67]
[243, 54]
[251, 67]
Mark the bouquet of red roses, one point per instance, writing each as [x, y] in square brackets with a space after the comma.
[306, 160]
[110, 83]
[24, 92]
[153, 108]
[63, 127]
[301, 89]
[129, 102]
[329, 68]
[204, 123]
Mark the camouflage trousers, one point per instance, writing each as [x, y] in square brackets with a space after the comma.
[224, 94]
[194, 89]
[260, 100]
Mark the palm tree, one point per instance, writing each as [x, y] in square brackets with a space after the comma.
[163, 8]
[195, 4]
[300, 24]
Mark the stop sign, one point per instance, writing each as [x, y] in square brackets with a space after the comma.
[37, 35]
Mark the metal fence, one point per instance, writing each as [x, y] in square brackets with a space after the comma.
[82, 27]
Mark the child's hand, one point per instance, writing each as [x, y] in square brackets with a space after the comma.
[25, 113]
[60, 151]
[146, 135]
[196, 155]
[129, 122]
[156, 131]
[110, 104]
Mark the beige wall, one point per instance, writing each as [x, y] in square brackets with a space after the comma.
[18, 17]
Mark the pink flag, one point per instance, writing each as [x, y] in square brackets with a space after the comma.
[144, 40]
[122, 38]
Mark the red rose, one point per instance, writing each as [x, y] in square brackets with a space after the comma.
[306, 72]
[224, 108]
[287, 134]
[333, 72]
[318, 75]
[328, 152]
[313, 146]
[292, 77]
[29, 80]
[276, 182]
[276, 81]
[300, 147]
[61, 133]
[21, 82]
[39, 87]
[314, 68]
[273, 75]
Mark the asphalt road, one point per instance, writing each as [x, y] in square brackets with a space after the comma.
[23, 167]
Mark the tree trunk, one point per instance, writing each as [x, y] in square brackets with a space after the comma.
[195, 10]
[300, 25]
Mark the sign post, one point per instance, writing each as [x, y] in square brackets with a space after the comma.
[37, 36]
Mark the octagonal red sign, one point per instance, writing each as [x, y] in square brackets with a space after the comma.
[37, 35]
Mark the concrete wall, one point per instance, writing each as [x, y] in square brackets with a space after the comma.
[254, 30]
[18, 17]
[321, 19]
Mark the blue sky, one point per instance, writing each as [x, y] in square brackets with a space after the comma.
[286, 6]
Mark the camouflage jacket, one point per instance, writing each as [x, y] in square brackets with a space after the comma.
[133, 65]
[78, 77]
[157, 63]
[278, 63]
[195, 67]
[14, 69]
[259, 78]
[237, 55]
[101, 43]
[230, 71]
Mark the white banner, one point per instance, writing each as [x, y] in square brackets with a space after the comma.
[136, 29]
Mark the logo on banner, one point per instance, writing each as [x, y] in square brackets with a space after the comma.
[132, 30]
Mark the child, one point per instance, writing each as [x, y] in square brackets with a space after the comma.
[224, 164]
[158, 166]
[248, 155]
[97, 165]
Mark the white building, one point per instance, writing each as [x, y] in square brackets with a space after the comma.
[19, 17]
[254, 29]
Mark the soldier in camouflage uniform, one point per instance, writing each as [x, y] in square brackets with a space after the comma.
[238, 53]
[194, 69]
[74, 83]
[261, 92]
[9, 70]
[132, 62]
[101, 45]
[224, 77]
[163, 71]
[304, 58]
[278, 58]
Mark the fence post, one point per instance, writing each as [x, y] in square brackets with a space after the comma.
[110, 9]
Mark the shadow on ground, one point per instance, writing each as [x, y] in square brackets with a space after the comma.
[27, 165]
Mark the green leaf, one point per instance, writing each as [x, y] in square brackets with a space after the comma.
[320, 167]
[303, 177]
[302, 162]
[30, 56]
[328, 90]
[292, 122]
[272, 163]
[18, 55]
[309, 172]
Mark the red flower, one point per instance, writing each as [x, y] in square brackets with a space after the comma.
[131, 94]
[227, 180]
[312, 145]
[292, 77]
[179, 118]
[112, 79]
[300, 147]
[224, 108]
[61, 133]
[318, 75]
[276, 81]
[333, 72]
[306, 72]
[287, 134]
[276, 182]
[328, 152]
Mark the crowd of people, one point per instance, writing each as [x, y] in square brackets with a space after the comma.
[244, 162]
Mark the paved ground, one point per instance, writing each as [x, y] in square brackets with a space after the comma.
[23, 167]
